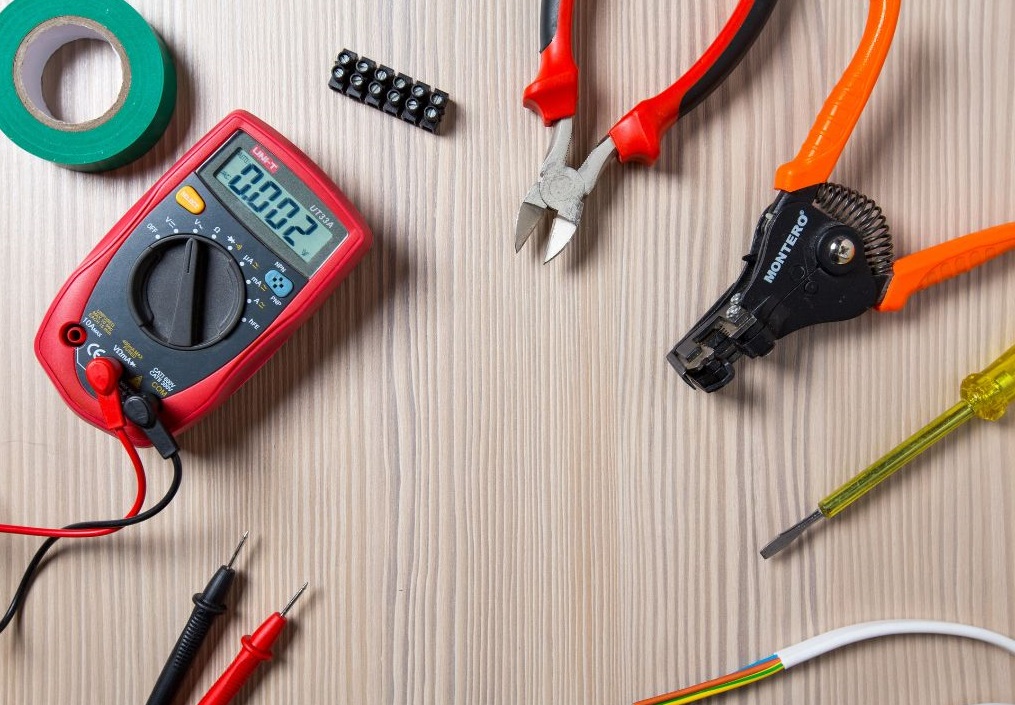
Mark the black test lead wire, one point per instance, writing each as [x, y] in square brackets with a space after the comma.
[207, 606]
[26, 581]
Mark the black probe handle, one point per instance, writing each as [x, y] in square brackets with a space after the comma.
[207, 606]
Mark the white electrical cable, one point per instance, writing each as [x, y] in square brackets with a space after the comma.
[830, 641]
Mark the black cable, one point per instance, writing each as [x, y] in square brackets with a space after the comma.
[209, 605]
[26, 581]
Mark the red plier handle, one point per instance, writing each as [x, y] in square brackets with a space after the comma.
[638, 134]
[554, 94]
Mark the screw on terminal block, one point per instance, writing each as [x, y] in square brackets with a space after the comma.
[366, 66]
[375, 95]
[413, 110]
[431, 119]
[439, 100]
[393, 104]
[402, 83]
[421, 91]
[339, 78]
[357, 86]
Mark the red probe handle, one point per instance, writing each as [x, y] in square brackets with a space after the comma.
[256, 650]
[638, 134]
[553, 95]
[104, 374]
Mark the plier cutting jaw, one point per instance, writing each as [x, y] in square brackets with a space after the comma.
[823, 252]
[553, 96]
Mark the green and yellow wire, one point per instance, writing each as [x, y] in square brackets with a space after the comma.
[787, 658]
[753, 673]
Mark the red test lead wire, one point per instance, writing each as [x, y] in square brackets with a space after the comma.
[142, 489]
[256, 649]
[104, 375]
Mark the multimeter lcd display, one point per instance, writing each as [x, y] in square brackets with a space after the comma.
[274, 206]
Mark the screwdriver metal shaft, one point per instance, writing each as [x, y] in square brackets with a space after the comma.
[986, 395]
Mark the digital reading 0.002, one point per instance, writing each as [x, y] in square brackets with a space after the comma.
[273, 205]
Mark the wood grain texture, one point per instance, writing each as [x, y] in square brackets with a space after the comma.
[498, 489]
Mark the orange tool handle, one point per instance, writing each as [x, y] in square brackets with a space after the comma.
[638, 134]
[820, 152]
[926, 268]
[553, 95]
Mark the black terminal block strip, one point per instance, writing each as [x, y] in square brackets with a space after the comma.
[396, 94]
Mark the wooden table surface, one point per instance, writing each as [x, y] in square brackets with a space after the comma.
[497, 488]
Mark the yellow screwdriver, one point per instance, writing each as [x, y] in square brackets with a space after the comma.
[985, 394]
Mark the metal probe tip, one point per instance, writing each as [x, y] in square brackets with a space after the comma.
[239, 546]
[790, 535]
[292, 600]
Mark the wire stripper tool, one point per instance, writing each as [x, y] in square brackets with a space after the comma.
[553, 95]
[823, 252]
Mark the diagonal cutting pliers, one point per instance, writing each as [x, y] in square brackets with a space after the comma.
[823, 252]
[635, 138]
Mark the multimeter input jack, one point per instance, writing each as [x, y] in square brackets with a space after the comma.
[74, 335]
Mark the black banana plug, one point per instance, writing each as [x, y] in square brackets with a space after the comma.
[207, 606]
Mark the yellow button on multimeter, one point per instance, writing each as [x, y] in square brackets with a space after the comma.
[189, 198]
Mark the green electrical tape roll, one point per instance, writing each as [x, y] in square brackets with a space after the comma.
[31, 31]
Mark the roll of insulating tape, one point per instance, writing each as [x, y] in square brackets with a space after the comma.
[31, 31]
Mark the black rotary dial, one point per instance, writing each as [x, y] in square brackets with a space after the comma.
[186, 292]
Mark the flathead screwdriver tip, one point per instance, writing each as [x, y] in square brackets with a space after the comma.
[236, 552]
[780, 542]
[292, 600]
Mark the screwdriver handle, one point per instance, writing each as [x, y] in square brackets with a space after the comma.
[255, 650]
[990, 392]
[207, 606]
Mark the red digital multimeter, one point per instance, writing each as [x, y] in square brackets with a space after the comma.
[206, 276]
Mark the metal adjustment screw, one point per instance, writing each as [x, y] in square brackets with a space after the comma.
[841, 250]
[734, 308]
